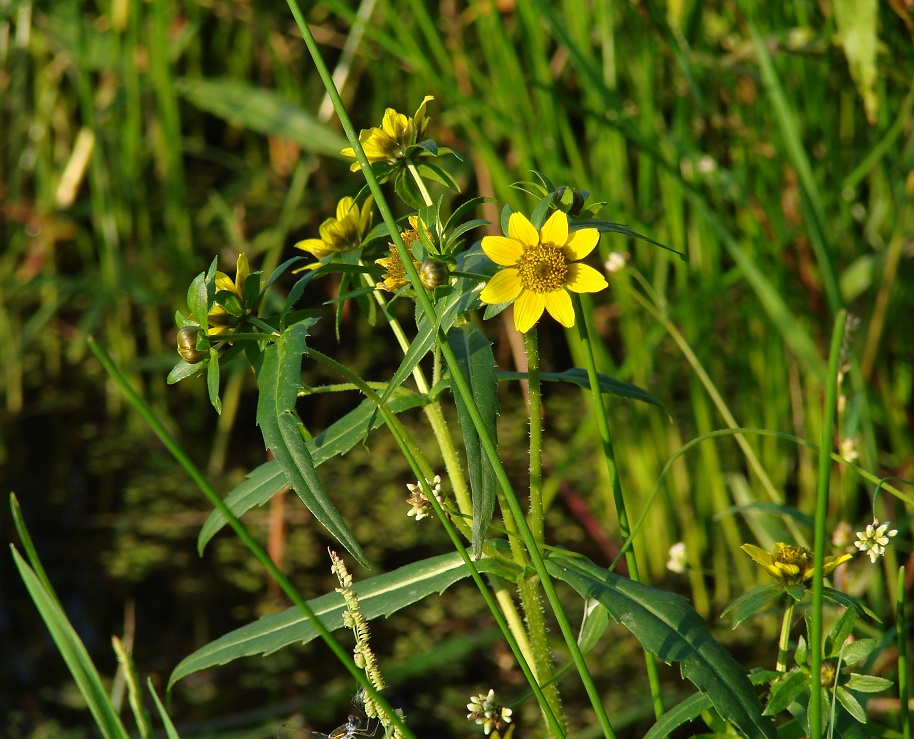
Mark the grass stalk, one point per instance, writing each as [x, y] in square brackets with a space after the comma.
[460, 383]
[149, 415]
[901, 640]
[609, 455]
[406, 446]
[820, 533]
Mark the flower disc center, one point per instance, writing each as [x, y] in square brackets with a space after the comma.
[542, 268]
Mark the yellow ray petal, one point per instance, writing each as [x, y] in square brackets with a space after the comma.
[502, 250]
[582, 278]
[527, 310]
[504, 287]
[558, 303]
[581, 243]
[555, 230]
[521, 229]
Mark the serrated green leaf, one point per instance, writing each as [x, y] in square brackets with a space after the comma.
[278, 380]
[378, 596]
[261, 110]
[666, 625]
[476, 362]
[577, 376]
[752, 602]
[867, 683]
[785, 691]
[268, 479]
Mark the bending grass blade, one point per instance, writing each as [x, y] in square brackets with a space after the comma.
[342, 654]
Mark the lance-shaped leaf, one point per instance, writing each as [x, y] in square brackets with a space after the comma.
[477, 364]
[577, 376]
[268, 479]
[278, 381]
[378, 596]
[666, 625]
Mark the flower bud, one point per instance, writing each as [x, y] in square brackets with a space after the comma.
[187, 344]
[433, 273]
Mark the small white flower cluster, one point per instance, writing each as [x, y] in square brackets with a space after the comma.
[421, 507]
[616, 262]
[677, 561]
[874, 539]
[484, 710]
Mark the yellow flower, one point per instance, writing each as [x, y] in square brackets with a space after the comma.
[541, 268]
[789, 564]
[219, 319]
[396, 134]
[395, 274]
[343, 233]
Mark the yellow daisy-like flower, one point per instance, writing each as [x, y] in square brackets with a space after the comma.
[790, 564]
[219, 319]
[540, 268]
[395, 273]
[343, 233]
[396, 134]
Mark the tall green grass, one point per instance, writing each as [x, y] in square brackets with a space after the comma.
[141, 138]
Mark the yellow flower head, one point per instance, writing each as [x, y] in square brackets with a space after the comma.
[219, 319]
[540, 267]
[343, 233]
[396, 134]
[395, 275]
[790, 564]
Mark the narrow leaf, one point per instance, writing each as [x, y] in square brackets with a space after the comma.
[73, 652]
[577, 376]
[378, 596]
[261, 110]
[278, 380]
[170, 731]
[212, 380]
[268, 479]
[666, 625]
[476, 362]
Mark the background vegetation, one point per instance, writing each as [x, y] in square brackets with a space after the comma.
[140, 138]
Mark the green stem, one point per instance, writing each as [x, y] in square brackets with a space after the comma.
[401, 436]
[828, 422]
[529, 593]
[901, 639]
[461, 386]
[342, 654]
[612, 470]
[433, 413]
[531, 344]
[784, 640]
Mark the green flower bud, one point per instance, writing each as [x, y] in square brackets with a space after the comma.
[433, 273]
[187, 344]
